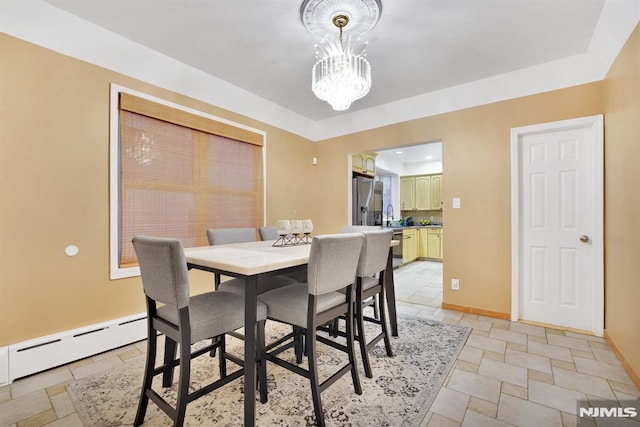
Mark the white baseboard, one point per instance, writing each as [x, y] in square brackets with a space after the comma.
[39, 354]
[4, 366]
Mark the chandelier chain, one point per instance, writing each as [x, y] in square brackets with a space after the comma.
[340, 21]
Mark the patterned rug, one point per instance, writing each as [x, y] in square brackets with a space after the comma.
[399, 394]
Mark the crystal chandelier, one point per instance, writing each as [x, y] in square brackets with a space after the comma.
[341, 74]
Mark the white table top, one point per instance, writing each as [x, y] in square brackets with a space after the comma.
[248, 258]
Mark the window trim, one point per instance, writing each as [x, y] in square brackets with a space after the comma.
[115, 271]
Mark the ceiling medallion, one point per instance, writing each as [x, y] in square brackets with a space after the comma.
[341, 73]
[317, 15]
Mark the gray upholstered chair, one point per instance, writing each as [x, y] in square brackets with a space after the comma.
[268, 233]
[333, 262]
[370, 286]
[223, 236]
[271, 233]
[185, 320]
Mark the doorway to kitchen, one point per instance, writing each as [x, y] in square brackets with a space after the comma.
[412, 177]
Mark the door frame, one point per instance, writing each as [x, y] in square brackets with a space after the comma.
[595, 124]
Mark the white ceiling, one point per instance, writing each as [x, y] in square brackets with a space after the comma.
[418, 46]
[412, 154]
[427, 56]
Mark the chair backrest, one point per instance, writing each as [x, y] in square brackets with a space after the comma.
[222, 236]
[375, 252]
[333, 261]
[360, 228]
[268, 233]
[163, 269]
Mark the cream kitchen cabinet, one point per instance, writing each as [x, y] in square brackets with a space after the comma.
[364, 163]
[430, 243]
[435, 192]
[410, 245]
[407, 193]
[434, 243]
[422, 233]
[421, 192]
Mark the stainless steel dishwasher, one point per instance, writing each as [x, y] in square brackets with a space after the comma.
[397, 250]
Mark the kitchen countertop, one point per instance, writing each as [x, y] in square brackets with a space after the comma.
[400, 227]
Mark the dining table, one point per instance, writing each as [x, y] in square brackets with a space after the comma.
[250, 260]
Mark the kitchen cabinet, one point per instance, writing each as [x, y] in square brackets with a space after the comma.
[430, 241]
[422, 192]
[422, 233]
[434, 243]
[407, 193]
[410, 245]
[364, 163]
[435, 191]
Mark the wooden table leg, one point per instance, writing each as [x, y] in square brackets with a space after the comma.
[390, 293]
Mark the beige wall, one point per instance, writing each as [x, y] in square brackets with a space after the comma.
[476, 168]
[54, 185]
[622, 202]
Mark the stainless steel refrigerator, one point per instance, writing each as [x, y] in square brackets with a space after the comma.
[367, 202]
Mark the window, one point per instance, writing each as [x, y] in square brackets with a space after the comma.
[177, 173]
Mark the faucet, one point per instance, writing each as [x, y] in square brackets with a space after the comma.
[390, 207]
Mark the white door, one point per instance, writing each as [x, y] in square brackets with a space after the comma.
[559, 223]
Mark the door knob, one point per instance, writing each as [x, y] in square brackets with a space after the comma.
[584, 239]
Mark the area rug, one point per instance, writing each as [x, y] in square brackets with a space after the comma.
[399, 394]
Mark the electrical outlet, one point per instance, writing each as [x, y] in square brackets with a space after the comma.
[455, 284]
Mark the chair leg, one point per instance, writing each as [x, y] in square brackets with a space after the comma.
[351, 350]
[313, 376]
[222, 353]
[299, 347]
[169, 356]
[214, 340]
[376, 313]
[216, 284]
[383, 322]
[183, 384]
[334, 325]
[262, 363]
[152, 345]
[361, 338]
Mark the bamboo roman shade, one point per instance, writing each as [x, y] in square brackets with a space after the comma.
[181, 174]
[189, 120]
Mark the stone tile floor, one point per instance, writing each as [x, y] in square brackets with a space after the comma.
[508, 374]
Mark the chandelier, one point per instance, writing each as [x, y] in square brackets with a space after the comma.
[341, 73]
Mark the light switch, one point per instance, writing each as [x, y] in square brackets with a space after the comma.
[456, 203]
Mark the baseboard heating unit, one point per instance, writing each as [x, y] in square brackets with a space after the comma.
[39, 354]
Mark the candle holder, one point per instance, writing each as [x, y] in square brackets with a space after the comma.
[296, 229]
[284, 228]
[294, 232]
[307, 228]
